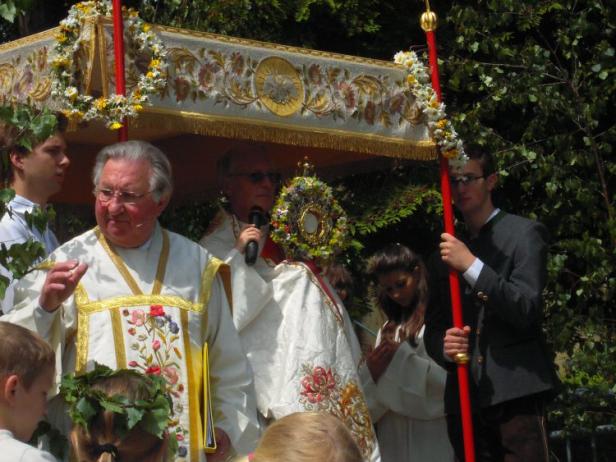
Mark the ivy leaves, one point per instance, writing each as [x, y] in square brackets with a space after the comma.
[85, 401]
[30, 126]
[19, 258]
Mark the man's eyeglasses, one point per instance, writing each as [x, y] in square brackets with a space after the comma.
[464, 179]
[258, 177]
[104, 195]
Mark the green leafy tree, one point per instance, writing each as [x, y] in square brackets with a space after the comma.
[533, 82]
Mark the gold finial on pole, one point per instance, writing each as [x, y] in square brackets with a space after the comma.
[428, 21]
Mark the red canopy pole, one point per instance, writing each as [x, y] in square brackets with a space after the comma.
[428, 24]
[118, 48]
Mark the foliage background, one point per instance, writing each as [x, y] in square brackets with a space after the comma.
[533, 81]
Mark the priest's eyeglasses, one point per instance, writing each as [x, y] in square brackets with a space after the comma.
[104, 195]
[258, 177]
[464, 179]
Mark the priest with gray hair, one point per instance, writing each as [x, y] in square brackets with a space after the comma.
[130, 294]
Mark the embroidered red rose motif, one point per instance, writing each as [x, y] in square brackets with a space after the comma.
[153, 370]
[156, 310]
[318, 385]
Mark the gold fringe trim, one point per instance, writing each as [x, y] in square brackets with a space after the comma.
[259, 130]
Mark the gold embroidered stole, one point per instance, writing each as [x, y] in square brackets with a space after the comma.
[196, 360]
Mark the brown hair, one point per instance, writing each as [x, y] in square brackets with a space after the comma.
[9, 136]
[307, 437]
[102, 444]
[485, 160]
[397, 257]
[23, 353]
[340, 278]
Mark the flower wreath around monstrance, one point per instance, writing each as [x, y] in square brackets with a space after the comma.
[141, 39]
[307, 221]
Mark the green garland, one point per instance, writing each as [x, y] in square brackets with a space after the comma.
[85, 403]
[307, 221]
[30, 126]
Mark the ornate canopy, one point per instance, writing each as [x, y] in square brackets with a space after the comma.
[338, 110]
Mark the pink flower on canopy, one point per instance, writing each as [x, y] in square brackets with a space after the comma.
[156, 345]
[237, 63]
[182, 88]
[314, 73]
[133, 363]
[171, 374]
[348, 94]
[370, 112]
[137, 318]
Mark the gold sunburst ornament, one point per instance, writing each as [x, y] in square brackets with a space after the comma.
[116, 108]
[279, 86]
[307, 221]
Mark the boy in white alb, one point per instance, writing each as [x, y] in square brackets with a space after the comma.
[27, 368]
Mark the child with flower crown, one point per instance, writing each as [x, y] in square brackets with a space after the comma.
[27, 366]
[119, 415]
[403, 384]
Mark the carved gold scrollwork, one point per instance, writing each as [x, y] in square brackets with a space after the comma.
[41, 90]
[6, 77]
[279, 86]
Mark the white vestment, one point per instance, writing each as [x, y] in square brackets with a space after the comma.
[407, 406]
[160, 309]
[297, 336]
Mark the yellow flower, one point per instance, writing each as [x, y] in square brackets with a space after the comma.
[155, 63]
[84, 8]
[451, 154]
[146, 28]
[137, 107]
[441, 123]
[100, 103]
[61, 38]
[150, 75]
[411, 80]
[60, 62]
[115, 126]
[73, 115]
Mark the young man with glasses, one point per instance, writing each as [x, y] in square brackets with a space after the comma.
[35, 175]
[130, 294]
[291, 330]
[502, 264]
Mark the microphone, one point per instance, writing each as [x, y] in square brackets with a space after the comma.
[255, 217]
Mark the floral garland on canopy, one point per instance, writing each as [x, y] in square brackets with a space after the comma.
[307, 221]
[116, 108]
[441, 129]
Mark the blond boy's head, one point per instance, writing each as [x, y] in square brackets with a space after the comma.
[27, 365]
